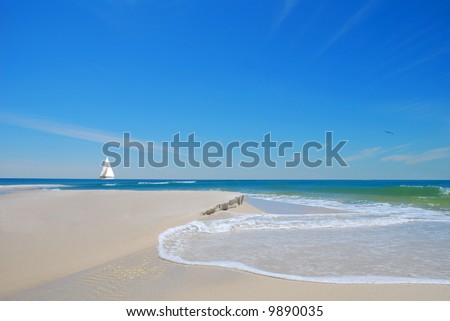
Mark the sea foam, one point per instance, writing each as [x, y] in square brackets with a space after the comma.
[371, 243]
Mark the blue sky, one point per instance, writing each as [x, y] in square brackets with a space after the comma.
[75, 73]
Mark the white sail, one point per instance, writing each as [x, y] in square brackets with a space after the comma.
[107, 172]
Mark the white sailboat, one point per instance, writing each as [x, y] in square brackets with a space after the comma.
[107, 172]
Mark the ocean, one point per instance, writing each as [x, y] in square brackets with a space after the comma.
[338, 231]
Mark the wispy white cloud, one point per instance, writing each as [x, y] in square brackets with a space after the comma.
[349, 24]
[365, 153]
[288, 6]
[69, 130]
[438, 153]
[418, 109]
[58, 128]
[437, 53]
[373, 152]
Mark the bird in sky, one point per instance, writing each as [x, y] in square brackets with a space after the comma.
[388, 132]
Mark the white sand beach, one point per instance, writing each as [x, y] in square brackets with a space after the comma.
[102, 245]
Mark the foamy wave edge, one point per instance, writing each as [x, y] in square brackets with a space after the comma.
[31, 187]
[369, 207]
[153, 183]
[167, 182]
[348, 279]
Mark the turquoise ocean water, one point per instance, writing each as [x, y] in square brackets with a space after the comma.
[367, 231]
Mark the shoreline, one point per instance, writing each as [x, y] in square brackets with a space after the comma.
[109, 240]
